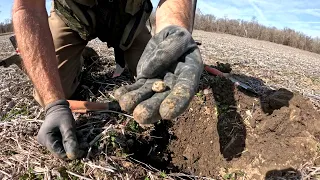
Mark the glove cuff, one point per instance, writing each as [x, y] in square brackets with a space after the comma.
[60, 102]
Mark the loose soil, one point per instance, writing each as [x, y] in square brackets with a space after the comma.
[227, 131]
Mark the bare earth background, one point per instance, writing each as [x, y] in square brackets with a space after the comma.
[276, 65]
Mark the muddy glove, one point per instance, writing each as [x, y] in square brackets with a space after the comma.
[57, 133]
[174, 57]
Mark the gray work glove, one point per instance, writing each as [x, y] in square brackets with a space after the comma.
[57, 133]
[174, 57]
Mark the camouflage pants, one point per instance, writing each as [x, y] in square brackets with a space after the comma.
[69, 47]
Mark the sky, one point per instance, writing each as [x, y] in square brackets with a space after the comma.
[300, 15]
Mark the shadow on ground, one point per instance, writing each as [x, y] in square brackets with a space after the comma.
[230, 126]
[154, 151]
[289, 173]
[231, 129]
[96, 77]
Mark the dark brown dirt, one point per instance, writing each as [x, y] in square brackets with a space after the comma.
[226, 131]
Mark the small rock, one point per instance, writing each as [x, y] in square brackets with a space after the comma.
[206, 91]
[252, 122]
[127, 164]
[159, 86]
[30, 129]
[187, 153]
[207, 110]
[295, 113]
[317, 162]
[11, 104]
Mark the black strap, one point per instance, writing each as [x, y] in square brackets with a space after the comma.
[119, 56]
[111, 20]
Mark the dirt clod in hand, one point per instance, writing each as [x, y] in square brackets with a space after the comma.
[159, 86]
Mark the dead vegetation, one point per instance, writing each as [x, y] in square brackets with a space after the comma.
[116, 147]
[111, 140]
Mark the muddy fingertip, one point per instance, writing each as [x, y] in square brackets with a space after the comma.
[167, 109]
[126, 102]
[119, 92]
[144, 116]
[139, 114]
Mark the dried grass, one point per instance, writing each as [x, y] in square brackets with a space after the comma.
[21, 117]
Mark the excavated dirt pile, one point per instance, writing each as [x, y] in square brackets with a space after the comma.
[231, 132]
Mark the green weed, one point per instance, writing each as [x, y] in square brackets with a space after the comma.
[31, 175]
[201, 96]
[233, 175]
[76, 166]
[133, 126]
[15, 111]
[163, 174]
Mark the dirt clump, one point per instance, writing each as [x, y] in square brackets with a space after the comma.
[226, 131]
[159, 86]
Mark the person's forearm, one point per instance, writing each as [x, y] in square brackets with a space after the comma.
[174, 12]
[36, 47]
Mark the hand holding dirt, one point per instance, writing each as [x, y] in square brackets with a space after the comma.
[168, 74]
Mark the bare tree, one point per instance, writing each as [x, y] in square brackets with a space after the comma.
[6, 26]
[252, 29]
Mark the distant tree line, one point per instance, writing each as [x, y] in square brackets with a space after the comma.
[6, 26]
[252, 29]
[249, 29]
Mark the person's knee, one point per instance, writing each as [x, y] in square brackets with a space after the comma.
[133, 54]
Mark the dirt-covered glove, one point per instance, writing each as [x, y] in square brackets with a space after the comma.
[57, 133]
[174, 57]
